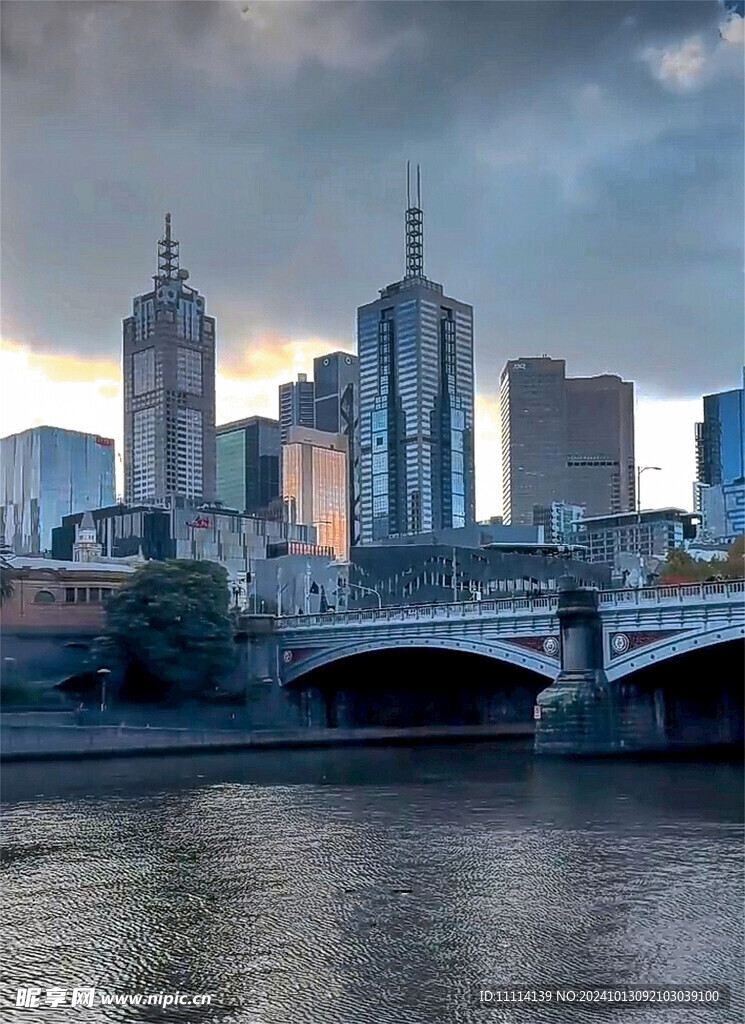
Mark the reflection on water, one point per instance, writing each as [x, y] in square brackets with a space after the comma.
[359, 886]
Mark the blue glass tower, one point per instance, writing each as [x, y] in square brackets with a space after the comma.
[415, 348]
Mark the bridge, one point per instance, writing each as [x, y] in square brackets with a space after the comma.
[592, 649]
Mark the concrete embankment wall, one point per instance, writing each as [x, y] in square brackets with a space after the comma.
[54, 741]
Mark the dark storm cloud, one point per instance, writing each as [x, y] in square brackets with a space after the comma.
[582, 172]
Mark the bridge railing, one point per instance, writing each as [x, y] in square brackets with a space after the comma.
[686, 592]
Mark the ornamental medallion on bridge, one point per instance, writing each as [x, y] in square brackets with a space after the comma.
[622, 643]
[292, 657]
[546, 645]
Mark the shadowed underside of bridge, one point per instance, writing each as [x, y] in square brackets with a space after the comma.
[417, 686]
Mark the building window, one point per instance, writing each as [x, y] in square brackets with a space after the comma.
[69, 595]
[94, 595]
[82, 595]
[105, 593]
[44, 597]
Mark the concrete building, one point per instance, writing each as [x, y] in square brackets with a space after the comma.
[296, 405]
[169, 388]
[559, 521]
[647, 534]
[315, 480]
[415, 349]
[46, 473]
[565, 439]
[178, 529]
[248, 453]
[337, 385]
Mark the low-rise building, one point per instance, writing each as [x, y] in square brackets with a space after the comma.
[651, 533]
[50, 596]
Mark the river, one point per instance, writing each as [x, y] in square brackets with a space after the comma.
[367, 886]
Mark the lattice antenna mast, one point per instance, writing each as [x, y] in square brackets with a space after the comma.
[414, 227]
[168, 265]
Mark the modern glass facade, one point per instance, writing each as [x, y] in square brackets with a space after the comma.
[416, 411]
[46, 473]
[248, 453]
[169, 388]
[336, 379]
[315, 480]
[720, 439]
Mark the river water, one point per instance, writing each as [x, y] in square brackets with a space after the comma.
[375, 885]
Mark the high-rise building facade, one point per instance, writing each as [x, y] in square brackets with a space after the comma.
[296, 405]
[169, 388]
[315, 480]
[248, 463]
[720, 439]
[336, 378]
[46, 473]
[567, 440]
[415, 349]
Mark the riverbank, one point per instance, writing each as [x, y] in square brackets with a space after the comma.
[37, 742]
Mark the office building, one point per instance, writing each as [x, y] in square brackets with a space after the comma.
[720, 439]
[248, 453]
[315, 480]
[337, 382]
[46, 473]
[565, 439]
[559, 521]
[415, 349]
[169, 388]
[296, 405]
[179, 529]
[651, 533]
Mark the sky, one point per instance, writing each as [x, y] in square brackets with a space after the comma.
[582, 170]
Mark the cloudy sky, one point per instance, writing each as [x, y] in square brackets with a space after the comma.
[582, 183]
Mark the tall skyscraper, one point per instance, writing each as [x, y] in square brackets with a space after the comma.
[315, 480]
[296, 405]
[169, 388]
[568, 440]
[337, 382]
[720, 439]
[248, 463]
[415, 349]
[46, 473]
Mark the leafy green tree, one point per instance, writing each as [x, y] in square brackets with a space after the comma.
[680, 567]
[170, 627]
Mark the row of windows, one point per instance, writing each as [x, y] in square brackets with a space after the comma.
[75, 595]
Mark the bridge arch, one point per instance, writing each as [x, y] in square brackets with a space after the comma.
[293, 669]
[673, 647]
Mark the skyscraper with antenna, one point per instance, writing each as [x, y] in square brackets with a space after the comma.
[169, 388]
[415, 348]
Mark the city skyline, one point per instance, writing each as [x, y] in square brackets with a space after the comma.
[594, 217]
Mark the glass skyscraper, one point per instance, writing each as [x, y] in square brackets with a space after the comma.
[316, 483]
[720, 439]
[169, 388]
[415, 349]
[46, 473]
[296, 405]
[248, 463]
[336, 378]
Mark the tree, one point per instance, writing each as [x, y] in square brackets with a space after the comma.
[169, 626]
[6, 583]
[680, 567]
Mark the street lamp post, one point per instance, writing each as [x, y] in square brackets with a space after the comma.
[357, 586]
[639, 471]
[103, 674]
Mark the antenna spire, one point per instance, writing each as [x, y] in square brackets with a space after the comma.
[414, 227]
[168, 257]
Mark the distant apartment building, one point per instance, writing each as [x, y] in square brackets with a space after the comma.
[559, 521]
[415, 347]
[569, 440]
[315, 481]
[248, 453]
[296, 405]
[337, 385]
[650, 533]
[46, 473]
[169, 388]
